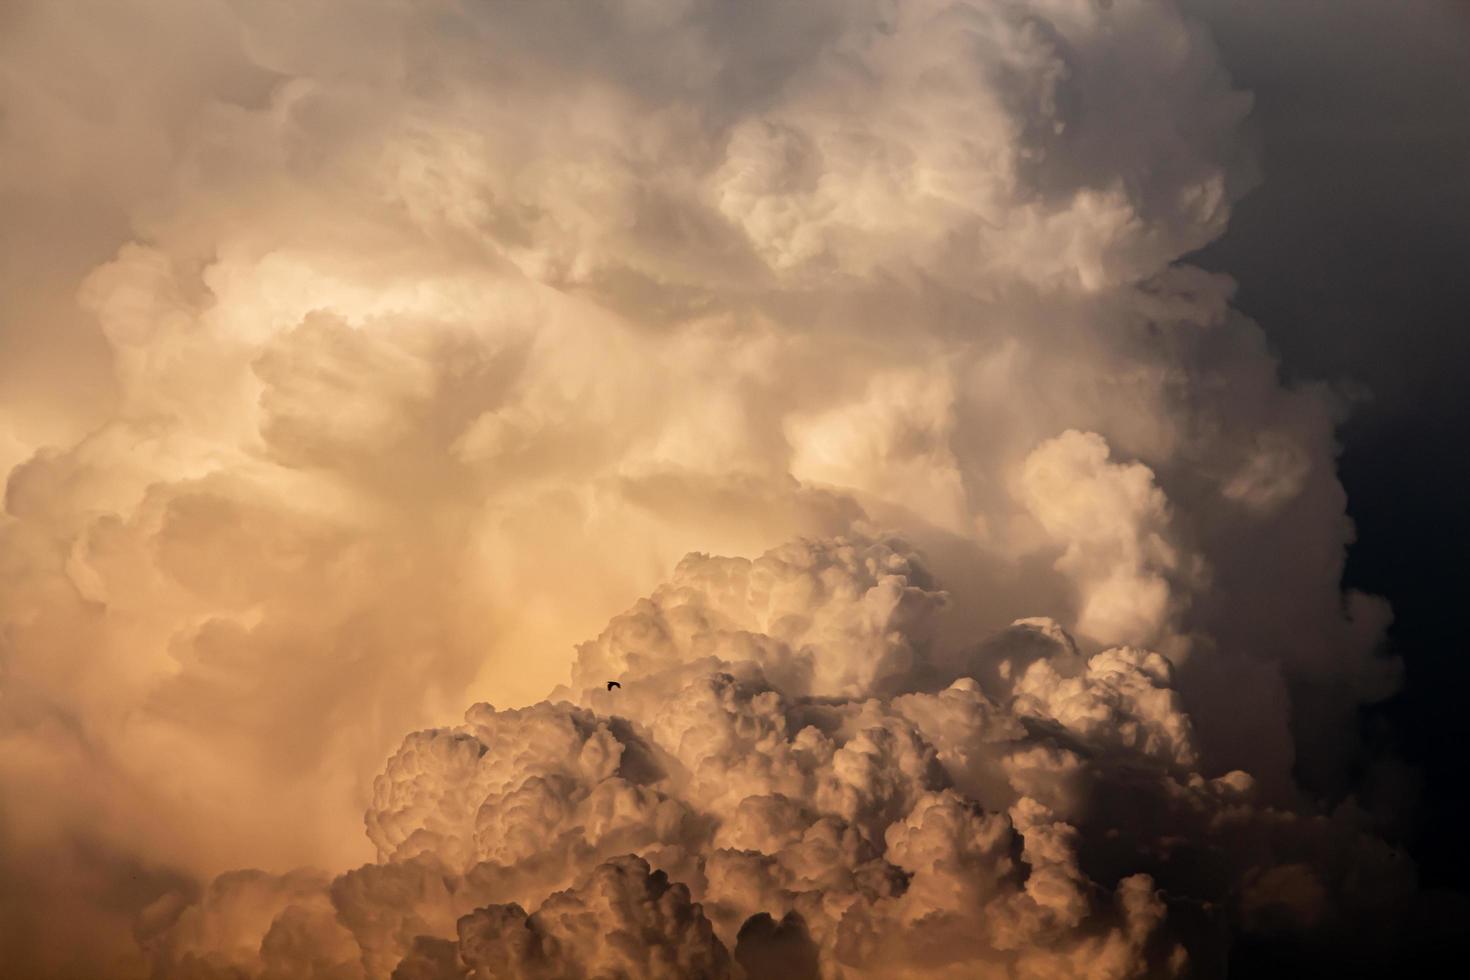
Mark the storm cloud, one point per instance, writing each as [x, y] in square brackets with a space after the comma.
[382, 354]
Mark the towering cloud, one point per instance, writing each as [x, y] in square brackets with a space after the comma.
[435, 333]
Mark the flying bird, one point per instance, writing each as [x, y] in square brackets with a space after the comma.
[613, 684]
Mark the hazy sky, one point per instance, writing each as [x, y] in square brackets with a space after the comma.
[929, 411]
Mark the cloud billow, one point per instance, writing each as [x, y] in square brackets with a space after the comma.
[1060, 828]
[989, 569]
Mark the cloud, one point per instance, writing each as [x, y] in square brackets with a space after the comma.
[622, 921]
[822, 618]
[433, 334]
[1114, 524]
[1062, 828]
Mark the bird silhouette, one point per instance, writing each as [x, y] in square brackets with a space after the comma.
[613, 684]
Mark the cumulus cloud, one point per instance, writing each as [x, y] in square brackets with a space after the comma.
[1114, 524]
[851, 335]
[700, 821]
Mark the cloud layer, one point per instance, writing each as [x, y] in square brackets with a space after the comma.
[433, 333]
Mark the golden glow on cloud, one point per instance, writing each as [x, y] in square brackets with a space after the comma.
[365, 357]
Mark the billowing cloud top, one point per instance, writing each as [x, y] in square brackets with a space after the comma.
[1055, 825]
[433, 333]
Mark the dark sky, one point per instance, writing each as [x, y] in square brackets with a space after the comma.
[1354, 256]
